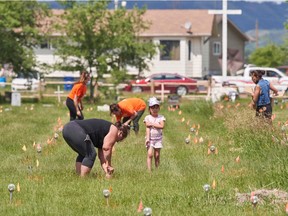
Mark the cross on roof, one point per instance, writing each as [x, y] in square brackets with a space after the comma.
[224, 13]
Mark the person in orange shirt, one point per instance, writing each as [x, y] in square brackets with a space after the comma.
[74, 99]
[131, 109]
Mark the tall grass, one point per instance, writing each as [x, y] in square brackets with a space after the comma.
[175, 188]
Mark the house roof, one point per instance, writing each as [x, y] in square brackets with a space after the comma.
[167, 23]
[172, 23]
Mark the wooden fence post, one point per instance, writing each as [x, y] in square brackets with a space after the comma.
[40, 90]
[162, 92]
[152, 87]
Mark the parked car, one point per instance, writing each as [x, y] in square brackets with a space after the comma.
[173, 82]
[26, 81]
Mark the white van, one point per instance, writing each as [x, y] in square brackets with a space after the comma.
[27, 81]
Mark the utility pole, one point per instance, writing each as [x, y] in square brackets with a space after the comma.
[256, 33]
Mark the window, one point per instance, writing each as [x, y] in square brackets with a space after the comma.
[172, 77]
[44, 45]
[158, 77]
[170, 50]
[189, 50]
[47, 44]
[272, 74]
[216, 48]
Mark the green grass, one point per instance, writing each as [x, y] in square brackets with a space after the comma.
[174, 189]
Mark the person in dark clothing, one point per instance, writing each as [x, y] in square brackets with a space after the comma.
[83, 136]
[261, 101]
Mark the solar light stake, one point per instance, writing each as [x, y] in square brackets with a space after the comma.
[192, 130]
[30, 169]
[106, 194]
[147, 211]
[11, 188]
[206, 187]
[56, 135]
[39, 148]
[254, 200]
[212, 148]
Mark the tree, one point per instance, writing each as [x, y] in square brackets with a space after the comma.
[271, 55]
[268, 56]
[104, 40]
[19, 32]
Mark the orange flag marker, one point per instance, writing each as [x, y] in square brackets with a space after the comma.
[140, 207]
[110, 189]
[251, 195]
[180, 112]
[237, 159]
[209, 152]
[214, 184]
[24, 148]
[18, 187]
[49, 141]
[222, 169]
[286, 209]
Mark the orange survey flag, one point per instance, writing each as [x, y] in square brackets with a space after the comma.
[18, 187]
[140, 207]
[222, 169]
[214, 184]
[251, 195]
[237, 159]
[209, 152]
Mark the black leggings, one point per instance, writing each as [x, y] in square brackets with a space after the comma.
[74, 136]
[135, 120]
[72, 109]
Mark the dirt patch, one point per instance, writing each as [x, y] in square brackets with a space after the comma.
[265, 196]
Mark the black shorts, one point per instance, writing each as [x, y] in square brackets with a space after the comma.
[264, 111]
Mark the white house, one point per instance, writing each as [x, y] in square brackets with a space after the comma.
[191, 41]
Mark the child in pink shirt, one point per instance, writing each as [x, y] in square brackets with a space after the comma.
[154, 125]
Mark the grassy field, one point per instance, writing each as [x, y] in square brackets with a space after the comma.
[47, 184]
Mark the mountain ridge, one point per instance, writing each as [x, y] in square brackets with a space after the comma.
[269, 15]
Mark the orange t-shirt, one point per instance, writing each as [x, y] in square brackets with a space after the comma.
[79, 89]
[129, 106]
